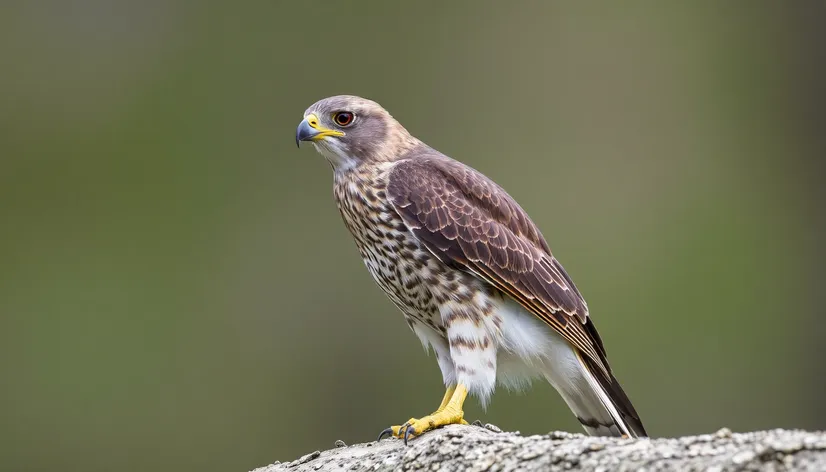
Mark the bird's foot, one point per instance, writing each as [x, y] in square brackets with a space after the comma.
[416, 427]
[449, 412]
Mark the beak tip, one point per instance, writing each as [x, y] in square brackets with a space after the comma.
[304, 132]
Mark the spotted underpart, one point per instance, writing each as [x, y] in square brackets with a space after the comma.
[449, 309]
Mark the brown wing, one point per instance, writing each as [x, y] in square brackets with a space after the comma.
[468, 221]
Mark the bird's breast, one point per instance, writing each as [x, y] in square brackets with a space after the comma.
[404, 269]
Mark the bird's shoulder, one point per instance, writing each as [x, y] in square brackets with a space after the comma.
[429, 179]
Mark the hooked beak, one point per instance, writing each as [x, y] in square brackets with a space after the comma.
[310, 130]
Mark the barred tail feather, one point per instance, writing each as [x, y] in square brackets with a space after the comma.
[599, 403]
[622, 418]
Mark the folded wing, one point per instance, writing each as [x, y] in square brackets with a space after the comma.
[468, 221]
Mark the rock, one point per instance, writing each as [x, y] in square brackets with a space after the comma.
[468, 448]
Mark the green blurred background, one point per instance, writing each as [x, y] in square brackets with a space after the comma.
[177, 289]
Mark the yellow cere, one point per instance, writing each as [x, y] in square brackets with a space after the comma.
[312, 120]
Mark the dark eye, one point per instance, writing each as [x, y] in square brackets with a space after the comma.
[343, 118]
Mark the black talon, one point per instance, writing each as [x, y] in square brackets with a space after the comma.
[388, 431]
[407, 433]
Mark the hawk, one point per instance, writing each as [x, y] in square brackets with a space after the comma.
[470, 271]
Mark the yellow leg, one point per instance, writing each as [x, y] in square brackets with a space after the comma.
[448, 395]
[449, 412]
[443, 405]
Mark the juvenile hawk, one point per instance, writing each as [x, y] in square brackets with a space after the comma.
[472, 274]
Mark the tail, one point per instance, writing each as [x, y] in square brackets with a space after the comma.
[598, 402]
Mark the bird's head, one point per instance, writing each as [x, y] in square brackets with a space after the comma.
[349, 130]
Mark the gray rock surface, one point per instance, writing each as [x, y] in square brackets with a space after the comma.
[475, 448]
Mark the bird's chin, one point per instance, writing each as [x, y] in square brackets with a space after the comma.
[332, 150]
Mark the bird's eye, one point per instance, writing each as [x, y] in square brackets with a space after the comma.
[343, 118]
